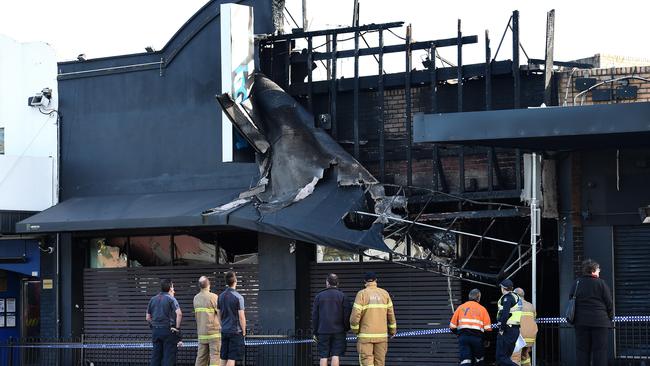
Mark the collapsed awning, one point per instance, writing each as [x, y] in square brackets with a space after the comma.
[145, 211]
[552, 128]
[317, 219]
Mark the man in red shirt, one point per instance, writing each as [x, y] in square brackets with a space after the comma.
[469, 322]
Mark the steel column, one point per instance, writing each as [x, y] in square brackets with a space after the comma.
[407, 95]
[355, 107]
[460, 69]
[515, 59]
[333, 91]
[310, 95]
[380, 102]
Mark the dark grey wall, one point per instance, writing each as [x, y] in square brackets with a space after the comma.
[608, 197]
[277, 295]
[602, 202]
[152, 128]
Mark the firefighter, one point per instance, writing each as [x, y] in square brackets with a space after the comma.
[372, 320]
[508, 318]
[528, 330]
[470, 321]
[208, 327]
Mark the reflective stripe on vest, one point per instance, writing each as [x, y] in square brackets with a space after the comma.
[209, 336]
[373, 306]
[372, 335]
[203, 310]
[515, 311]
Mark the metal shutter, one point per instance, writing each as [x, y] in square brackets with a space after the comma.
[115, 301]
[631, 290]
[421, 302]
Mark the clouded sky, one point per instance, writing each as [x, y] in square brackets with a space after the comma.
[105, 28]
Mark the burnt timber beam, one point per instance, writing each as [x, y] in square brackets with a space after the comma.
[578, 65]
[425, 45]
[418, 78]
[468, 215]
[482, 195]
[324, 32]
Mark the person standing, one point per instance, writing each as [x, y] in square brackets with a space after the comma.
[372, 319]
[164, 316]
[508, 318]
[330, 318]
[208, 328]
[470, 321]
[528, 329]
[594, 312]
[233, 322]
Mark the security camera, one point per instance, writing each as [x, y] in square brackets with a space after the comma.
[41, 99]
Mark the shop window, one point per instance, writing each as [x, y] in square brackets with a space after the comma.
[327, 254]
[103, 255]
[159, 250]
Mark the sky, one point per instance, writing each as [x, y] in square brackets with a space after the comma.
[106, 28]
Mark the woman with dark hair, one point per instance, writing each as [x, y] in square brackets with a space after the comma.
[594, 312]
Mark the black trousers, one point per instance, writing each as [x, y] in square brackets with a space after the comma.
[164, 347]
[591, 346]
[506, 345]
[471, 349]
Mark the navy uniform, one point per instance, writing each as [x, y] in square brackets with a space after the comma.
[510, 308]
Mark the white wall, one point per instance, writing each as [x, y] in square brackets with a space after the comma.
[28, 166]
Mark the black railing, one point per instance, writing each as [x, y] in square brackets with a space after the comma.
[554, 348]
[279, 349]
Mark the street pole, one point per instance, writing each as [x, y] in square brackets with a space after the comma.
[535, 224]
[305, 24]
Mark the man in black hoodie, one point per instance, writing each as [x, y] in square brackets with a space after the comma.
[331, 320]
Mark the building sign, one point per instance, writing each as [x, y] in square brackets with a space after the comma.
[47, 284]
[237, 64]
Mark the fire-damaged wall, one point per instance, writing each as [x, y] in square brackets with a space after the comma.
[475, 160]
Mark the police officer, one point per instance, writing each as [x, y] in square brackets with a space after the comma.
[470, 321]
[164, 316]
[208, 328]
[509, 318]
[372, 319]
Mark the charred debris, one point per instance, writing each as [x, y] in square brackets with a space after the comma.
[305, 131]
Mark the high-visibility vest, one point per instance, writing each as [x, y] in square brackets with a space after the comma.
[515, 311]
[471, 315]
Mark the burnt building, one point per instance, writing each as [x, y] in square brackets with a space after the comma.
[417, 175]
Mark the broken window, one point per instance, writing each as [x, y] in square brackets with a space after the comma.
[328, 254]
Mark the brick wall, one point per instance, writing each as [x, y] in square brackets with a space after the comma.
[476, 164]
[567, 90]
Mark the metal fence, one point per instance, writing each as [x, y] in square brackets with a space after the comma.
[630, 339]
[630, 344]
[266, 348]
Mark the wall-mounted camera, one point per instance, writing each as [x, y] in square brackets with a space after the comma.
[41, 99]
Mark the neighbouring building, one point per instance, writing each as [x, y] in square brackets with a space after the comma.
[28, 177]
